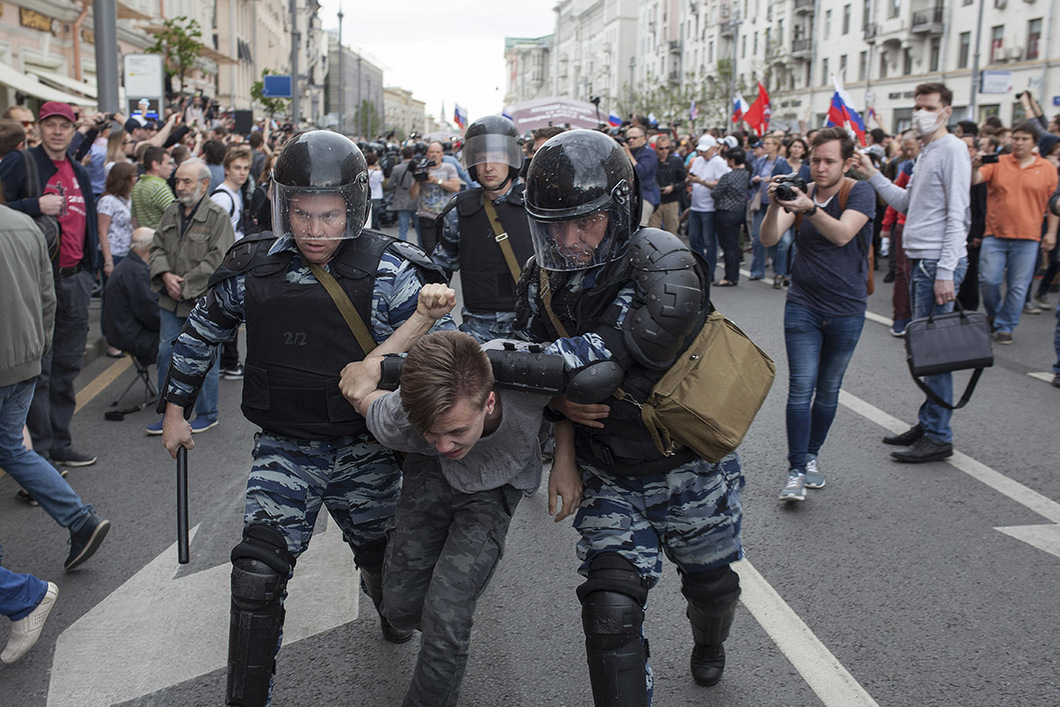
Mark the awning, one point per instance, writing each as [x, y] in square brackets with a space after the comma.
[542, 112]
[63, 81]
[128, 13]
[9, 76]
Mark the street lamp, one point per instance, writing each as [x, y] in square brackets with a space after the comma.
[632, 65]
[342, 80]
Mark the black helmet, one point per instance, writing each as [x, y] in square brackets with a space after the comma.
[322, 162]
[574, 179]
[492, 139]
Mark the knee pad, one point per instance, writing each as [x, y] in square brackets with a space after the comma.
[712, 598]
[260, 566]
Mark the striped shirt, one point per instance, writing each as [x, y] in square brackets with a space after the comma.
[150, 197]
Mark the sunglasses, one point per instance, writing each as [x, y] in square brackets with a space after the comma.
[28, 123]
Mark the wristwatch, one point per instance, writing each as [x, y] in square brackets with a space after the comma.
[810, 211]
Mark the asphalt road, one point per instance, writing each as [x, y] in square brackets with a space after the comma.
[894, 585]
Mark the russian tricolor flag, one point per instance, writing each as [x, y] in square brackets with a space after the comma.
[460, 115]
[739, 107]
[843, 113]
[614, 120]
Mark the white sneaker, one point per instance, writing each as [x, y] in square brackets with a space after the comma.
[25, 632]
[814, 479]
[795, 489]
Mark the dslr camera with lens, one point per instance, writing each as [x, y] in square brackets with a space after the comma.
[421, 168]
[786, 186]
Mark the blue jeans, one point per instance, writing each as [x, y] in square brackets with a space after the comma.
[819, 348]
[29, 469]
[20, 594]
[169, 329]
[934, 418]
[405, 217]
[1012, 260]
[1056, 341]
[703, 237]
[781, 252]
[758, 251]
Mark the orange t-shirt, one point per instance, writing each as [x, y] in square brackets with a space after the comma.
[1016, 198]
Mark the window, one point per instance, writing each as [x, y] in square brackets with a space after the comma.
[754, 48]
[743, 47]
[965, 50]
[997, 41]
[846, 19]
[866, 14]
[780, 32]
[843, 67]
[827, 23]
[883, 65]
[894, 8]
[710, 52]
[907, 61]
[824, 72]
[769, 47]
[936, 49]
[1034, 37]
[863, 66]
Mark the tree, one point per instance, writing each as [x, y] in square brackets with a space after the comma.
[271, 104]
[179, 45]
[366, 121]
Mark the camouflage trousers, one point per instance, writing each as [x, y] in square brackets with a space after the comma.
[355, 478]
[691, 513]
[441, 554]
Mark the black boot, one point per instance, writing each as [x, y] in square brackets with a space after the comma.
[372, 584]
[712, 598]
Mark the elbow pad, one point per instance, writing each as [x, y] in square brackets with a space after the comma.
[669, 297]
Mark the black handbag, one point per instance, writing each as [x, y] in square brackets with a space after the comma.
[943, 343]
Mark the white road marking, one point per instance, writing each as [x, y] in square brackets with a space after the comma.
[821, 670]
[1042, 376]
[879, 318]
[155, 630]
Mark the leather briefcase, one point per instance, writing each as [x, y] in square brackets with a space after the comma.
[943, 343]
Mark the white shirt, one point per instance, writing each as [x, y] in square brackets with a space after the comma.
[709, 171]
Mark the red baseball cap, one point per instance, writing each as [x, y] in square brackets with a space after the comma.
[55, 108]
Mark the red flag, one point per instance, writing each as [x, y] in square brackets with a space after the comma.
[757, 116]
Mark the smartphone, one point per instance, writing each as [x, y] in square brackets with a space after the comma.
[989, 159]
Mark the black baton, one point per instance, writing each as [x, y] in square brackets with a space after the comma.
[182, 505]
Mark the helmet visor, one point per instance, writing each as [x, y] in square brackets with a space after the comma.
[331, 214]
[492, 148]
[576, 244]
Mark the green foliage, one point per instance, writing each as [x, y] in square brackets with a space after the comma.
[179, 45]
[272, 105]
[366, 120]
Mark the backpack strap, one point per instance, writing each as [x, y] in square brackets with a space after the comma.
[232, 209]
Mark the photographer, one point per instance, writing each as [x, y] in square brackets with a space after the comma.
[646, 162]
[435, 181]
[826, 302]
[401, 181]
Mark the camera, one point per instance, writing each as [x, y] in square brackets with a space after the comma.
[421, 168]
[787, 185]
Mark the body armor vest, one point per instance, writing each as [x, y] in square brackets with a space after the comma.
[298, 342]
[487, 283]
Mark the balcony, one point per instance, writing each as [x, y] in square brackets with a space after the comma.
[675, 47]
[927, 21]
[803, 6]
[675, 76]
[871, 30]
[726, 29]
[802, 48]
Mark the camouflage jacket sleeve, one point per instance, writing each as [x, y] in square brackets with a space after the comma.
[583, 349]
[397, 288]
[215, 319]
[447, 253]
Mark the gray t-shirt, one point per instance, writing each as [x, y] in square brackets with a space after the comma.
[510, 455]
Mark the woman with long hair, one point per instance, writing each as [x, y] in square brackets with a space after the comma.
[115, 223]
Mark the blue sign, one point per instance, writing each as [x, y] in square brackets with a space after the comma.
[276, 86]
[1056, 100]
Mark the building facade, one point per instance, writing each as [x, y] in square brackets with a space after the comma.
[528, 68]
[402, 113]
[361, 92]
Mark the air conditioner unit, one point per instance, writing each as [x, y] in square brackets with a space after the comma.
[1015, 53]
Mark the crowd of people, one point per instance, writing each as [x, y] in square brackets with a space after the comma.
[562, 238]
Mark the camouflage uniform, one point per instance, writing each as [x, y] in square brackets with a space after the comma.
[355, 478]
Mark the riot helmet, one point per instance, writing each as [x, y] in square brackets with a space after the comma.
[492, 139]
[313, 168]
[583, 201]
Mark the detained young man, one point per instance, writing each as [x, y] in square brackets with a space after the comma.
[473, 453]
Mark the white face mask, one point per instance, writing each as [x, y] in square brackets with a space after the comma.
[925, 122]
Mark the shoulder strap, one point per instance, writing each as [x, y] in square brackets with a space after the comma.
[501, 236]
[232, 209]
[546, 299]
[33, 190]
[346, 308]
[965, 397]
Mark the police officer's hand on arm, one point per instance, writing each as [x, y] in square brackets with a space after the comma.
[176, 431]
[584, 414]
[564, 481]
[361, 378]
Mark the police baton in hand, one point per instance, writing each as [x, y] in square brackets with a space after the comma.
[182, 505]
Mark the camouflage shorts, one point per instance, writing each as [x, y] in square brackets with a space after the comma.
[691, 513]
[356, 478]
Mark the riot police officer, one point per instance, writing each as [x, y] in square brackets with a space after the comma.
[491, 240]
[594, 287]
[301, 292]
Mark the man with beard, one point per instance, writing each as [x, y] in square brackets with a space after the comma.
[189, 244]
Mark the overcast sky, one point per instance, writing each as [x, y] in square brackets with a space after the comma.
[451, 50]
